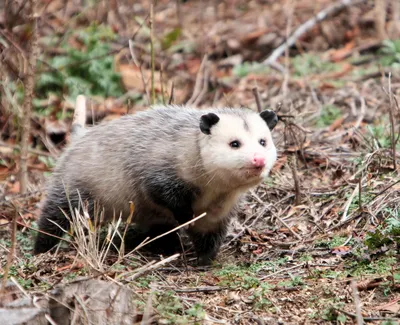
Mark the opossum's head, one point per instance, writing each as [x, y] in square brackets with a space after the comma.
[238, 147]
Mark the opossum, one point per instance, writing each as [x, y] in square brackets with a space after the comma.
[172, 162]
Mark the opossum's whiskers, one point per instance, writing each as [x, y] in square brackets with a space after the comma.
[211, 179]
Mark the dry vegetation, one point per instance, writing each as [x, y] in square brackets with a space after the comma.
[318, 243]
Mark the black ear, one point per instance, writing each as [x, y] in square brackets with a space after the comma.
[270, 118]
[207, 121]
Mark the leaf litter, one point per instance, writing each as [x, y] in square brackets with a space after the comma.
[282, 262]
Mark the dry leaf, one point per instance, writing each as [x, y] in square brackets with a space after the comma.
[341, 250]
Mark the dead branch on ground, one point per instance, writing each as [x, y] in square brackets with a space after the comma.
[308, 25]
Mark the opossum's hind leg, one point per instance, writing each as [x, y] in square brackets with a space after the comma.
[208, 244]
[165, 245]
[52, 221]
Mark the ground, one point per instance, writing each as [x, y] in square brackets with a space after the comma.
[314, 243]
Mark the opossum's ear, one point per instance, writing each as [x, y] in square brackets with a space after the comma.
[207, 121]
[270, 118]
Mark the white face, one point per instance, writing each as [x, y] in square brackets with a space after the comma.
[239, 150]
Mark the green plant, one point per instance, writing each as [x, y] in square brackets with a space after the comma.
[329, 113]
[170, 38]
[307, 64]
[242, 70]
[145, 281]
[390, 322]
[259, 297]
[172, 310]
[386, 234]
[334, 242]
[390, 53]
[381, 265]
[331, 314]
[25, 241]
[196, 311]
[238, 276]
[25, 268]
[268, 265]
[331, 274]
[88, 70]
[50, 162]
[305, 258]
[381, 134]
[293, 282]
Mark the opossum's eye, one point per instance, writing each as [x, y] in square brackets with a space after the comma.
[262, 142]
[235, 144]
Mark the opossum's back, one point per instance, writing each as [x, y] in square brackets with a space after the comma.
[111, 158]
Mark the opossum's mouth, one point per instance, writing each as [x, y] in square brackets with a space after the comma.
[252, 171]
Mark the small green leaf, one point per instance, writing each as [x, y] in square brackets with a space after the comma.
[170, 38]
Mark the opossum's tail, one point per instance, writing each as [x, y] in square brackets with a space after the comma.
[79, 120]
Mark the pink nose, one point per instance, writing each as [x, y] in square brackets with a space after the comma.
[258, 160]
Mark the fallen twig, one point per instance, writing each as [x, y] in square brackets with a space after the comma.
[348, 203]
[249, 226]
[289, 228]
[283, 270]
[357, 304]
[150, 267]
[198, 84]
[366, 319]
[146, 242]
[198, 289]
[308, 25]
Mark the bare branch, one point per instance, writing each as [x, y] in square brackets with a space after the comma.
[258, 99]
[29, 84]
[153, 90]
[308, 25]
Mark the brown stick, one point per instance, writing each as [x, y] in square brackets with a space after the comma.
[357, 304]
[198, 84]
[11, 253]
[139, 65]
[308, 25]
[360, 205]
[392, 127]
[153, 90]
[162, 83]
[171, 95]
[258, 99]
[197, 289]
[29, 84]
[293, 165]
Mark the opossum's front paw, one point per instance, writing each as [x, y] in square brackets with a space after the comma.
[205, 260]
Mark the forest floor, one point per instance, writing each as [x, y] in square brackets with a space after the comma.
[317, 243]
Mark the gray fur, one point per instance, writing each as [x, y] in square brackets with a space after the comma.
[140, 158]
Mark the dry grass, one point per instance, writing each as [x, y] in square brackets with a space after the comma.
[315, 244]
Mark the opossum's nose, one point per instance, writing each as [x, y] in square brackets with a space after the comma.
[258, 160]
